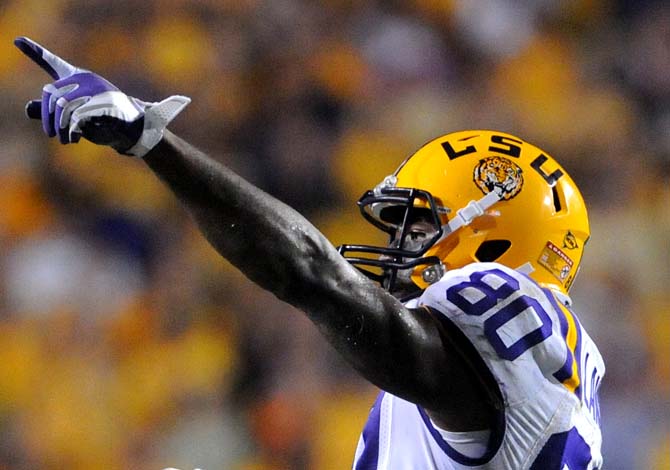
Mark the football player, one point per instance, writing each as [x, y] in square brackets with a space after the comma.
[463, 321]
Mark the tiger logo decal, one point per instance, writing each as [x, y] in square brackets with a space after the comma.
[500, 175]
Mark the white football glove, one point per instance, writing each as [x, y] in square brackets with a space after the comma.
[82, 103]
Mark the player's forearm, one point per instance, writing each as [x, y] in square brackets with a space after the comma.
[281, 251]
[269, 241]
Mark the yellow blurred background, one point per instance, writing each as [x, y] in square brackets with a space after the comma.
[126, 343]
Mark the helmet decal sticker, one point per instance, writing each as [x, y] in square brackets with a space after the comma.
[498, 174]
[556, 261]
[569, 241]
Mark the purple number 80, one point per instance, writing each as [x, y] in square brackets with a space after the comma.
[500, 316]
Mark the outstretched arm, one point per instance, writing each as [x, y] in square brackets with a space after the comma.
[281, 251]
[400, 350]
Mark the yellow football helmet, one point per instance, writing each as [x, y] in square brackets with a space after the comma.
[488, 196]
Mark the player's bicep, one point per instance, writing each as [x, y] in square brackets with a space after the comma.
[448, 376]
[372, 330]
[400, 350]
[403, 351]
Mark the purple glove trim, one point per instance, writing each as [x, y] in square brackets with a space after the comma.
[88, 84]
[47, 118]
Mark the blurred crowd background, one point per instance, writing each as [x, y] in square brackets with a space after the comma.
[126, 343]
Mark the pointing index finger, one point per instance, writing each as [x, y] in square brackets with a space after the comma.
[49, 62]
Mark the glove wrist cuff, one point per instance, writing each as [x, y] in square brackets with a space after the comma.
[148, 140]
[157, 116]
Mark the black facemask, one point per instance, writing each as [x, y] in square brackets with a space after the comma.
[394, 210]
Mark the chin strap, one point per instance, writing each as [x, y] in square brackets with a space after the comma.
[470, 212]
[463, 217]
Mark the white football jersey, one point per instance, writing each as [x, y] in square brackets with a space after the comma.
[547, 368]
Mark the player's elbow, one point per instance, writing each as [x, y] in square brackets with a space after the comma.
[296, 273]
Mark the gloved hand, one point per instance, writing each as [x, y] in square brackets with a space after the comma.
[82, 103]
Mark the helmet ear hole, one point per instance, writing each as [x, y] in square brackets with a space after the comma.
[491, 250]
